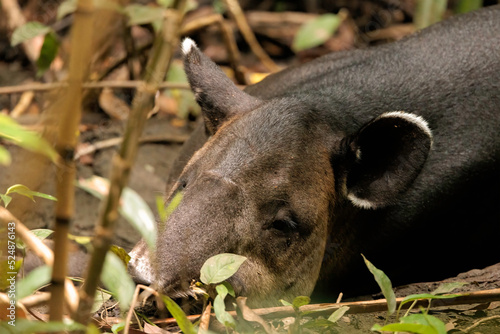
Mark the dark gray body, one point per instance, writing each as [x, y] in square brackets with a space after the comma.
[444, 219]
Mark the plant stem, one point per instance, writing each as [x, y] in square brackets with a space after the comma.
[162, 54]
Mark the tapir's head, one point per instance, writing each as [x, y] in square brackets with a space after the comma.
[266, 183]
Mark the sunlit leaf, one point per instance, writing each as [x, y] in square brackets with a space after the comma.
[335, 316]
[33, 281]
[5, 158]
[117, 328]
[182, 321]
[318, 323]
[385, 285]
[220, 267]
[316, 31]
[65, 8]
[412, 328]
[6, 199]
[132, 207]
[47, 54]
[121, 253]
[300, 301]
[141, 14]
[28, 31]
[25, 191]
[428, 12]
[411, 298]
[115, 277]
[30, 140]
[165, 3]
[285, 303]
[100, 298]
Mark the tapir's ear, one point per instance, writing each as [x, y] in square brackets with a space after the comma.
[387, 154]
[218, 96]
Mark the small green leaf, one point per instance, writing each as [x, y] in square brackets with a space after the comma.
[140, 14]
[182, 321]
[6, 199]
[117, 328]
[115, 277]
[165, 3]
[121, 253]
[448, 287]
[220, 267]
[100, 298]
[82, 240]
[338, 314]
[220, 308]
[33, 281]
[65, 8]
[316, 31]
[437, 325]
[30, 140]
[385, 285]
[5, 158]
[47, 54]
[42, 233]
[28, 31]
[428, 12]
[285, 303]
[411, 298]
[465, 6]
[229, 289]
[412, 328]
[300, 301]
[25, 191]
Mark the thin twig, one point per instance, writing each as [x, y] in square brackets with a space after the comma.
[134, 302]
[42, 251]
[236, 11]
[477, 323]
[118, 140]
[24, 103]
[38, 87]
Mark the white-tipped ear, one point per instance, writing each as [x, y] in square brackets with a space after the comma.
[187, 45]
[386, 156]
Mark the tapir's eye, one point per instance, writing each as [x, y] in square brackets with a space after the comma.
[182, 184]
[284, 225]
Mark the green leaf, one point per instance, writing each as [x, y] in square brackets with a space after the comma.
[5, 158]
[448, 287]
[220, 307]
[25, 191]
[42, 233]
[25, 326]
[300, 301]
[33, 281]
[28, 31]
[132, 207]
[115, 277]
[121, 253]
[182, 321]
[220, 267]
[47, 54]
[465, 6]
[100, 298]
[385, 285]
[82, 240]
[428, 12]
[140, 14]
[285, 303]
[316, 32]
[411, 328]
[65, 8]
[165, 3]
[339, 313]
[428, 320]
[411, 298]
[30, 140]
[6, 199]
[116, 328]
[229, 289]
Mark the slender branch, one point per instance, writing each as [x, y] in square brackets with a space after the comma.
[69, 113]
[159, 61]
[42, 251]
[236, 11]
[40, 87]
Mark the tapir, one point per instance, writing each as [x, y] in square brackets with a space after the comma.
[392, 152]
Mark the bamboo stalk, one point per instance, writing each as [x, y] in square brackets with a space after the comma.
[67, 138]
[161, 57]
